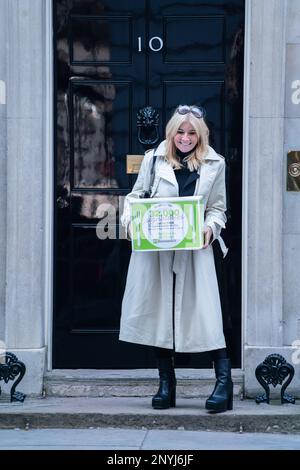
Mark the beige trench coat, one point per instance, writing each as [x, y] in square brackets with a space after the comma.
[147, 307]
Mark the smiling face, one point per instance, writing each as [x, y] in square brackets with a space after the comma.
[186, 138]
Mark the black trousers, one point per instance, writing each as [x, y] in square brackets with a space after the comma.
[214, 354]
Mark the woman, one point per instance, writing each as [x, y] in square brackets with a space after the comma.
[171, 300]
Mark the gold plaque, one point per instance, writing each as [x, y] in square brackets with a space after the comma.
[133, 164]
[293, 170]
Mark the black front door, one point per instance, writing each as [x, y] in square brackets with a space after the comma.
[113, 58]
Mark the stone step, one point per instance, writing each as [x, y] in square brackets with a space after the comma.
[137, 413]
[131, 383]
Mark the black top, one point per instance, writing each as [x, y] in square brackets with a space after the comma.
[186, 179]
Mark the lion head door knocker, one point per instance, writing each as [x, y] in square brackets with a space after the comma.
[147, 124]
[274, 370]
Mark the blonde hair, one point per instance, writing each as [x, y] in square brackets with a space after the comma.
[197, 157]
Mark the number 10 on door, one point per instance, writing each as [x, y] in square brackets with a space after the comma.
[155, 43]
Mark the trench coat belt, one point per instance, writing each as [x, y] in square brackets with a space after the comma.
[222, 246]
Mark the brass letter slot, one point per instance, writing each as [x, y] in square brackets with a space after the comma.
[133, 164]
[293, 170]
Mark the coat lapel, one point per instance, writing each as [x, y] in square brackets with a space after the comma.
[207, 173]
[164, 170]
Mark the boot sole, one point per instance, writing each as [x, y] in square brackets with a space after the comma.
[162, 407]
[227, 407]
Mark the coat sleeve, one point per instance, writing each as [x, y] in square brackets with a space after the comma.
[140, 185]
[216, 204]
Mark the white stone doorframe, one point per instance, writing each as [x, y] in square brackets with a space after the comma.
[27, 215]
[264, 189]
[49, 187]
[262, 184]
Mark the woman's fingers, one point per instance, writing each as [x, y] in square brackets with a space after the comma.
[129, 230]
[207, 236]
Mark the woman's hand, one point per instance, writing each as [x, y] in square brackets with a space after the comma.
[207, 236]
[129, 231]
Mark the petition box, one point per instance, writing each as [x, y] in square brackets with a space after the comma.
[167, 223]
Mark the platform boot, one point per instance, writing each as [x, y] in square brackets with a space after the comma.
[166, 395]
[222, 395]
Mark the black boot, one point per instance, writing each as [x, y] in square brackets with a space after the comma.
[221, 397]
[166, 395]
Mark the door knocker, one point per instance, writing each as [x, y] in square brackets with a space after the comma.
[147, 123]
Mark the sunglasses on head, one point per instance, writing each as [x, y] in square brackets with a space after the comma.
[185, 109]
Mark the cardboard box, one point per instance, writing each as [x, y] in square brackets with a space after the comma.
[160, 224]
